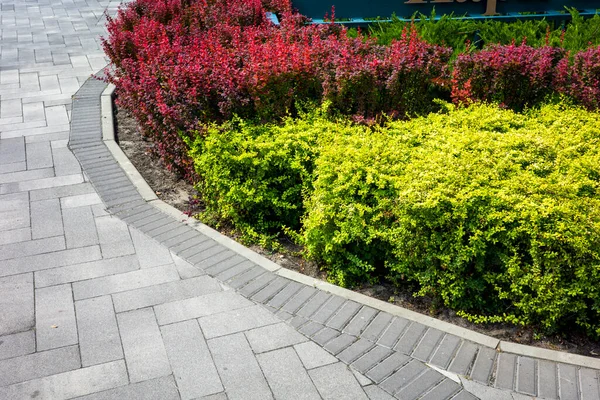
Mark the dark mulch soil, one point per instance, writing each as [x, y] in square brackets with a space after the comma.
[181, 195]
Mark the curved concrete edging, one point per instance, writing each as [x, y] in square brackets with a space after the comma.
[148, 194]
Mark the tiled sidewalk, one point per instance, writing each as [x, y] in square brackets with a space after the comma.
[103, 296]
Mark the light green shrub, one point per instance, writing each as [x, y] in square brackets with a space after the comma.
[495, 214]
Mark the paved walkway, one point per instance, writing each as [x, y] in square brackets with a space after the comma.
[102, 296]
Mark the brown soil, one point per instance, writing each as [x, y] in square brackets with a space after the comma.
[182, 195]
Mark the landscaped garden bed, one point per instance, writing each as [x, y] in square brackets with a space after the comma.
[467, 176]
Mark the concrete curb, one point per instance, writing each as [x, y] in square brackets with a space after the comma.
[466, 334]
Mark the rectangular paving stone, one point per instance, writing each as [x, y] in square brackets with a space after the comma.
[164, 293]
[386, 367]
[484, 363]
[286, 376]
[80, 200]
[17, 344]
[505, 373]
[238, 368]
[445, 351]
[55, 317]
[299, 299]
[412, 335]
[464, 358]
[526, 375]
[24, 176]
[272, 337]
[13, 167]
[376, 393]
[244, 278]
[444, 390]
[312, 305]
[39, 155]
[125, 281]
[33, 247]
[422, 384]
[371, 358]
[567, 381]
[547, 379]
[336, 381]
[84, 271]
[99, 339]
[70, 384]
[80, 227]
[310, 328]
[257, 284]
[235, 270]
[37, 365]
[185, 269]
[360, 321]
[14, 219]
[313, 355]
[12, 150]
[590, 388]
[344, 315]
[114, 237]
[197, 307]
[377, 326]
[15, 236]
[211, 257]
[270, 290]
[355, 350]
[16, 304]
[46, 219]
[61, 191]
[328, 309]
[427, 344]
[224, 265]
[41, 183]
[325, 335]
[190, 359]
[163, 388]
[176, 237]
[403, 376]
[340, 343]
[143, 346]
[229, 322]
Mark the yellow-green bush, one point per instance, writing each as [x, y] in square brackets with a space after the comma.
[255, 176]
[494, 213]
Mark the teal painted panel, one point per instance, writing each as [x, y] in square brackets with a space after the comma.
[367, 9]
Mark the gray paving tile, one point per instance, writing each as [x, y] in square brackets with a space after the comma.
[286, 375]
[99, 339]
[14, 219]
[39, 155]
[46, 219]
[238, 368]
[310, 328]
[12, 150]
[484, 363]
[235, 270]
[313, 355]
[325, 335]
[86, 270]
[25, 176]
[371, 358]
[328, 309]
[164, 293]
[340, 343]
[37, 365]
[163, 388]
[386, 367]
[270, 290]
[590, 388]
[273, 337]
[464, 358]
[33, 247]
[61, 191]
[125, 281]
[377, 326]
[144, 350]
[257, 284]
[354, 351]
[525, 375]
[17, 344]
[314, 304]
[185, 269]
[401, 378]
[44, 183]
[70, 384]
[299, 299]
[197, 307]
[567, 381]
[80, 227]
[411, 337]
[80, 200]
[505, 372]
[376, 393]
[336, 381]
[190, 359]
[344, 315]
[55, 317]
[15, 236]
[547, 379]
[114, 238]
[16, 304]
[225, 265]
[422, 384]
[444, 390]
[445, 351]
[234, 321]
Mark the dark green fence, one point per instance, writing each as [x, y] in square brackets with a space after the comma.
[357, 11]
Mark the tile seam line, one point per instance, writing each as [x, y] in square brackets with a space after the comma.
[105, 93]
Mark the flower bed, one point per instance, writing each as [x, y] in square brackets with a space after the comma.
[327, 137]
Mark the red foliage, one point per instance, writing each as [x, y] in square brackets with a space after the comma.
[580, 79]
[516, 76]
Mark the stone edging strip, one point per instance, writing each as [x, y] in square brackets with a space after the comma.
[385, 343]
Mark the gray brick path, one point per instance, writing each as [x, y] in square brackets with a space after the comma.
[103, 296]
